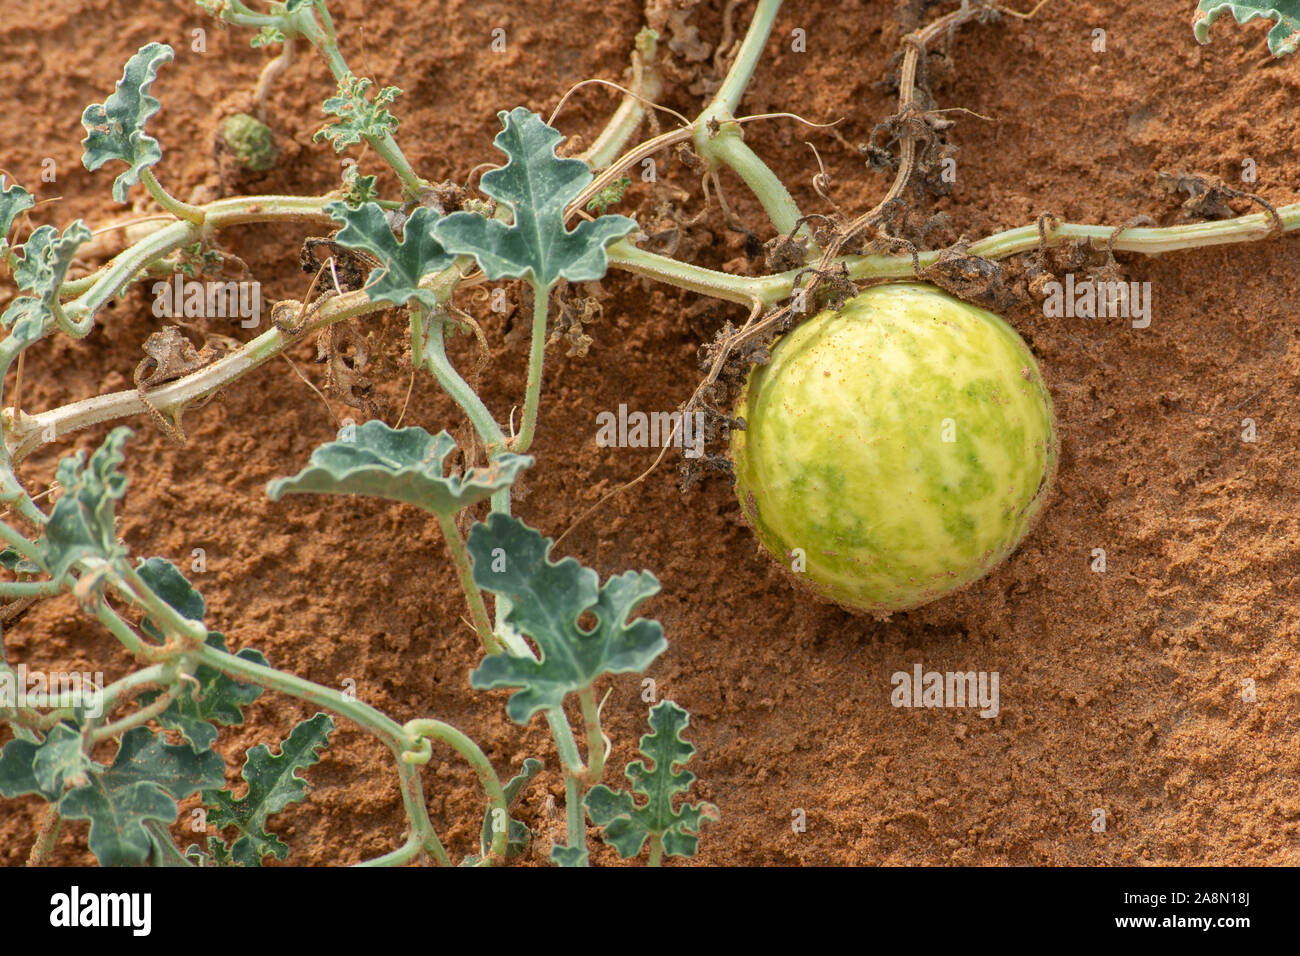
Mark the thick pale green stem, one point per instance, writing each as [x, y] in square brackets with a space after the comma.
[536, 359]
[645, 87]
[21, 589]
[137, 719]
[719, 140]
[165, 617]
[487, 775]
[405, 853]
[574, 772]
[181, 210]
[595, 737]
[25, 433]
[464, 571]
[727, 99]
[435, 360]
[729, 147]
[383, 727]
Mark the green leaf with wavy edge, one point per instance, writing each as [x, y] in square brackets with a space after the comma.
[267, 36]
[518, 834]
[40, 266]
[115, 128]
[568, 855]
[217, 699]
[1283, 38]
[81, 524]
[547, 599]
[43, 768]
[147, 777]
[357, 116]
[273, 784]
[166, 581]
[404, 465]
[12, 560]
[28, 316]
[405, 261]
[13, 201]
[627, 825]
[359, 189]
[536, 185]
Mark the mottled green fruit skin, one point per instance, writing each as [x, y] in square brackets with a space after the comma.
[844, 454]
[250, 140]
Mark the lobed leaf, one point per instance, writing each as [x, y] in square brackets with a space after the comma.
[267, 36]
[40, 266]
[81, 524]
[42, 768]
[115, 128]
[12, 560]
[1283, 38]
[568, 855]
[405, 262]
[13, 201]
[273, 784]
[147, 777]
[218, 698]
[401, 465]
[166, 581]
[547, 599]
[537, 185]
[518, 834]
[357, 116]
[627, 825]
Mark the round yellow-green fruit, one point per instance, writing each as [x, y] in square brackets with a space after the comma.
[895, 450]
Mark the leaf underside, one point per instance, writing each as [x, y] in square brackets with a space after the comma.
[82, 522]
[403, 464]
[1283, 37]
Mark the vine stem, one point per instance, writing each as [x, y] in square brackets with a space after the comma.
[379, 724]
[718, 137]
[434, 351]
[474, 756]
[460, 557]
[729, 147]
[46, 837]
[595, 737]
[405, 853]
[140, 717]
[181, 210]
[536, 359]
[727, 98]
[646, 87]
[19, 589]
[575, 825]
[24, 432]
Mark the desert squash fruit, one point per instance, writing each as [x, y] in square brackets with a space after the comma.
[895, 450]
